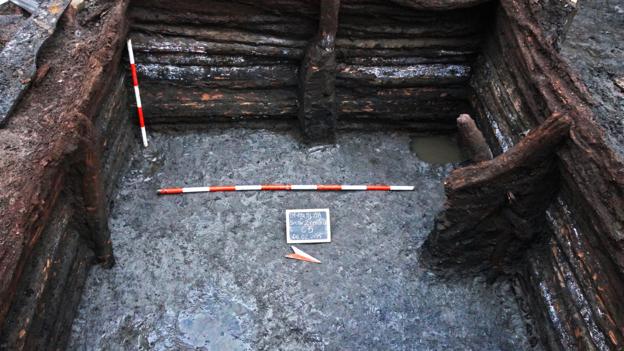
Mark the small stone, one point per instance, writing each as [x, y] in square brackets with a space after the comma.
[78, 5]
[619, 82]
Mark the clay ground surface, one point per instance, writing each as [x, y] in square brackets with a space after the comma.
[207, 271]
[594, 46]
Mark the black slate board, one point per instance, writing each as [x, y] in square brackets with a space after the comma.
[308, 226]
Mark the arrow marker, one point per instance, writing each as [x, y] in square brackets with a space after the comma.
[302, 256]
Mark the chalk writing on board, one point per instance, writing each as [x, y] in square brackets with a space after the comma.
[308, 226]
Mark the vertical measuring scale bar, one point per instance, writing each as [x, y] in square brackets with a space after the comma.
[137, 95]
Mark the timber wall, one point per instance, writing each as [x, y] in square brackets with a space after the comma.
[215, 61]
[572, 280]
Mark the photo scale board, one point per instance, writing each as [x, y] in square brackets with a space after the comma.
[308, 226]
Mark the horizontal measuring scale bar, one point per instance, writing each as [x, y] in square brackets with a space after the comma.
[285, 187]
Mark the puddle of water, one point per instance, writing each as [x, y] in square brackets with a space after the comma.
[438, 149]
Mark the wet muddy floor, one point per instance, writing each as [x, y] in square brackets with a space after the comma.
[207, 271]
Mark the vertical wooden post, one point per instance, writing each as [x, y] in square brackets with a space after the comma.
[96, 209]
[317, 76]
[472, 140]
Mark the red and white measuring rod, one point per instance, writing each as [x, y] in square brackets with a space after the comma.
[137, 95]
[284, 187]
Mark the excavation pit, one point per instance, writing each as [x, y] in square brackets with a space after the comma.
[208, 270]
[512, 242]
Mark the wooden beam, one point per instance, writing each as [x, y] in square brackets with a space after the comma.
[439, 4]
[317, 77]
[472, 140]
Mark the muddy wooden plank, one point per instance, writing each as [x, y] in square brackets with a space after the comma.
[282, 8]
[231, 15]
[439, 4]
[440, 110]
[383, 19]
[233, 77]
[221, 35]
[403, 76]
[373, 125]
[191, 59]
[175, 44]
[165, 103]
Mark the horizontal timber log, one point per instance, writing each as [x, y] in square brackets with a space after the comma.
[177, 44]
[420, 127]
[233, 77]
[439, 4]
[190, 59]
[233, 36]
[441, 110]
[403, 76]
[168, 102]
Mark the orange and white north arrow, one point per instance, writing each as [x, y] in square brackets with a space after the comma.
[302, 256]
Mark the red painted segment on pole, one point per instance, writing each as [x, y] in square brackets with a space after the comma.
[378, 187]
[275, 187]
[329, 187]
[135, 80]
[141, 120]
[170, 191]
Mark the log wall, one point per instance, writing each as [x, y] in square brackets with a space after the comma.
[572, 279]
[396, 65]
[202, 62]
[59, 188]
[405, 66]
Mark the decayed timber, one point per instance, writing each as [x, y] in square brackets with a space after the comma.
[93, 196]
[472, 140]
[495, 208]
[438, 4]
[53, 205]
[388, 60]
[572, 277]
[257, 17]
[317, 76]
[575, 283]
[415, 104]
[174, 104]
[18, 57]
[592, 176]
[403, 76]
[233, 77]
